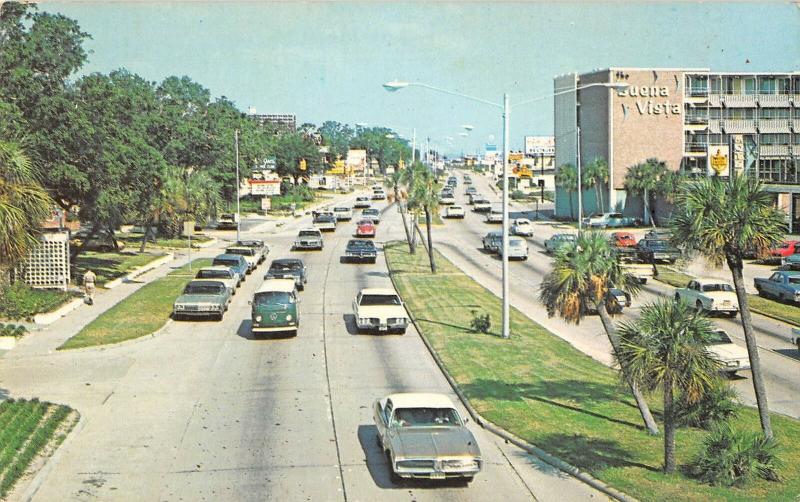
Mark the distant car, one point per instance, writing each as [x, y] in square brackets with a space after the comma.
[343, 213]
[226, 275]
[517, 248]
[381, 310]
[228, 221]
[492, 241]
[446, 199]
[365, 228]
[605, 220]
[249, 254]
[262, 250]
[288, 268]
[482, 206]
[522, 226]
[470, 190]
[233, 261]
[655, 250]
[733, 357]
[786, 248]
[495, 215]
[552, 244]
[362, 201]
[325, 222]
[616, 300]
[202, 298]
[308, 238]
[423, 436]
[372, 213]
[467, 180]
[709, 295]
[454, 212]
[274, 308]
[361, 251]
[622, 240]
[378, 195]
[474, 197]
[782, 286]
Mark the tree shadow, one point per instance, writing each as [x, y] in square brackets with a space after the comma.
[592, 454]
[464, 329]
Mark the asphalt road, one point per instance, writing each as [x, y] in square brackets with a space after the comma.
[460, 240]
[204, 412]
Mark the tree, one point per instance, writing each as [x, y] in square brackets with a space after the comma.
[424, 194]
[24, 205]
[337, 137]
[394, 183]
[579, 282]
[567, 180]
[666, 348]
[720, 219]
[291, 148]
[645, 179]
[595, 174]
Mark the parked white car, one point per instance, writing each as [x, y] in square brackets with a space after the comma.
[381, 310]
[454, 212]
[343, 213]
[522, 226]
[517, 248]
[710, 295]
[495, 215]
[733, 357]
[447, 199]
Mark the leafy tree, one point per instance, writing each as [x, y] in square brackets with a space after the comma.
[424, 194]
[645, 179]
[291, 148]
[720, 219]
[337, 137]
[567, 180]
[595, 174]
[579, 282]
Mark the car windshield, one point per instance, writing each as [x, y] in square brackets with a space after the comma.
[658, 244]
[368, 300]
[227, 262]
[341, 209]
[794, 280]
[213, 274]
[323, 218]
[426, 417]
[370, 211]
[563, 237]
[308, 233]
[717, 287]
[284, 266]
[241, 251]
[360, 245]
[194, 288]
[362, 198]
[718, 337]
[273, 297]
[250, 244]
[516, 243]
[523, 222]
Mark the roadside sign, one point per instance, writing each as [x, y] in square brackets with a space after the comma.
[265, 187]
[266, 203]
[188, 228]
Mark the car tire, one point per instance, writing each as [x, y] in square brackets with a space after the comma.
[393, 477]
[677, 297]
[699, 307]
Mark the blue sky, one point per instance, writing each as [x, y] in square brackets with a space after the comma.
[327, 60]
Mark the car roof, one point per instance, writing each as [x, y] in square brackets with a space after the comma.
[238, 247]
[365, 222]
[206, 281]
[522, 220]
[622, 234]
[285, 285]
[420, 400]
[227, 256]
[286, 261]
[710, 280]
[378, 291]
[309, 229]
[216, 267]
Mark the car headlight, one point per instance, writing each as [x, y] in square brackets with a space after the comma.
[258, 318]
[288, 317]
[215, 307]
[462, 463]
[178, 306]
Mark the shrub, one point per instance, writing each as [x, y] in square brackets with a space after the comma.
[720, 404]
[17, 331]
[480, 323]
[732, 458]
[20, 301]
[517, 194]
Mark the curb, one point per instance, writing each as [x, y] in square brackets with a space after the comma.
[139, 271]
[51, 317]
[507, 436]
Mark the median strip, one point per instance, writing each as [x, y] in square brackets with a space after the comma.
[142, 313]
[541, 389]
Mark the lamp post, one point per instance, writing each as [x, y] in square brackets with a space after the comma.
[396, 85]
[238, 214]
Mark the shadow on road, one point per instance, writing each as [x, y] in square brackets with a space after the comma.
[245, 327]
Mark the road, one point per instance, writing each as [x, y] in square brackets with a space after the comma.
[460, 241]
[204, 412]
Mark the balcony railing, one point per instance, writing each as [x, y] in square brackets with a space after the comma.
[774, 100]
[774, 126]
[696, 147]
[773, 150]
[740, 126]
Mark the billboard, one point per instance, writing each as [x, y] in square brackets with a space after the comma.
[540, 145]
[356, 160]
[265, 187]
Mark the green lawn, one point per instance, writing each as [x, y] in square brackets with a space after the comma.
[110, 266]
[133, 241]
[140, 314]
[28, 428]
[545, 391]
[20, 301]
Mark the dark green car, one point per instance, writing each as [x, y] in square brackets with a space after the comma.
[274, 308]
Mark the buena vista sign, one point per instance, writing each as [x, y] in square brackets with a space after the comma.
[649, 106]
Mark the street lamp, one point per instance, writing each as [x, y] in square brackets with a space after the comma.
[396, 85]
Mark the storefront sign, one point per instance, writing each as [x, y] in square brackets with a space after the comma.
[650, 106]
[737, 141]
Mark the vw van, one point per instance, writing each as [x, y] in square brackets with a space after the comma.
[274, 307]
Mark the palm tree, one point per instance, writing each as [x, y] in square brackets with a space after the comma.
[666, 347]
[395, 182]
[596, 174]
[645, 179]
[720, 219]
[567, 179]
[579, 281]
[425, 196]
[24, 205]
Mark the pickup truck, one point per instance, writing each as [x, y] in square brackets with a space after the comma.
[782, 286]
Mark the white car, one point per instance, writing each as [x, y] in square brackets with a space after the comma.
[517, 248]
[250, 255]
[447, 199]
[710, 295]
[308, 238]
[225, 275]
[482, 206]
[325, 221]
[494, 216]
[454, 212]
[362, 201]
[381, 310]
[522, 226]
[378, 195]
[371, 213]
[734, 358]
[343, 213]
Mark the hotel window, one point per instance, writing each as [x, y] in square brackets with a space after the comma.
[797, 139]
[716, 113]
[715, 84]
[774, 139]
[773, 113]
[715, 139]
[739, 113]
[733, 85]
[766, 85]
[784, 84]
[797, 114]
[750, 85]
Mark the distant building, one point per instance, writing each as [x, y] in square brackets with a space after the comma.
[285, 120]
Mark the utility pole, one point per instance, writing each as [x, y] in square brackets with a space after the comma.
[506, 299]
[238, 213]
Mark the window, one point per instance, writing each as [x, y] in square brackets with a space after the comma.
[739, 113]
[715, 113]
[711, 288]
[784, 84]
[774, 113]
[273, 298]
[715, 84]
[750, 85]
[775, 139]
[766, 85]
[368, 300]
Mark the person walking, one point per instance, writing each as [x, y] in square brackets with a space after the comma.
[89, 279]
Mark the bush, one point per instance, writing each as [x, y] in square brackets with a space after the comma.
[17, 331]
[719, 405]
[733, 458]
[480, 323]
[20, 301]
[517, 194]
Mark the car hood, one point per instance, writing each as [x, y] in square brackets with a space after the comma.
[382, 311]
[199, 299]
[418, 442]
[728, 351]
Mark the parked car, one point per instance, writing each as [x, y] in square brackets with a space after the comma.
[249, 255]
[782, 286]
[233, 261]
[733, 357]
[343, 213]
[517, 248]
[228, 221]
[467, 180]
[454, 212]
[289, 268]
[446, 199]
[226, 275]
[791, 262]
[202, 298]
[622, 240]
[709, 295]
[481, 205]
[360, 250]
[262, 250]
[657, 250]
[365, 228]
[308, 238]
[616, 300]
[522, 226]
[372, 213]
[378, 195]
[495, 215]
[492, 241]
[274, 308]
[614, 220]
[381, 310]
[786, 248]
[423, 436]
[552, 244]
[362, 202]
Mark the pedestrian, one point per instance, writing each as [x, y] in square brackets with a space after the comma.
[89, 279]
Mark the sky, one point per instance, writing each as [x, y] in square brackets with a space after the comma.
[327, 60]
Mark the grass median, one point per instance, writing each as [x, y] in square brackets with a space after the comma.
[542, 389]
[110, 266]
[140, 314]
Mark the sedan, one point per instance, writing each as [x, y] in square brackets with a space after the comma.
[454, 212]
[361, 251]
[365, 228]
[362, 202]
[552, 244]
[381, 310]
[623, 240]
[202, 298]
[522, 227]
[288, 268]
[733, 357]
[372, 213]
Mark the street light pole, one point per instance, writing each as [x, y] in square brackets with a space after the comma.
[238, 213]
[506, 135]
[580, 188]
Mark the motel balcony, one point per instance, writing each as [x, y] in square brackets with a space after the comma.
[738, 126]
[774, 126]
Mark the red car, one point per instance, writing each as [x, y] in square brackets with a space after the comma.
[785, 249]
[623, 240]
[365, 228]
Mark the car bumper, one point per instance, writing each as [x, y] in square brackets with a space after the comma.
[427, 473]
[315, 245]
[365, 234]
[361, 257]
[734, 366]
[196, 313]
[382, 328]
[724, 308]
[273, 329]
